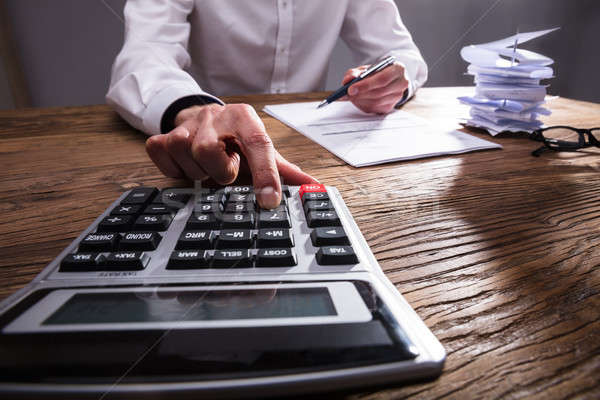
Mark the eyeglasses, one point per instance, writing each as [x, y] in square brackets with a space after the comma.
[564, 138]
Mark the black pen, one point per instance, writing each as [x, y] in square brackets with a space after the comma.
[373, 69]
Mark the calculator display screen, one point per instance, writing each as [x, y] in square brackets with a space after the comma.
[194, 305]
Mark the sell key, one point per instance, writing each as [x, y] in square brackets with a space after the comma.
[232, 258]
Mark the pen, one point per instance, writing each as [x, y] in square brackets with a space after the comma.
[373, 69]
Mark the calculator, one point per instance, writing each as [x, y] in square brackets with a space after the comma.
[194, 292]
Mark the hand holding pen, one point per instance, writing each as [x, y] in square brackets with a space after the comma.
[373, 89]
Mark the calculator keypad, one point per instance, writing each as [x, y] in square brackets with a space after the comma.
[224, 229]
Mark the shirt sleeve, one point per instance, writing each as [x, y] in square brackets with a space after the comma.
[149, 74]
[373, 29]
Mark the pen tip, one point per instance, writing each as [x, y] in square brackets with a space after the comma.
[322, 104]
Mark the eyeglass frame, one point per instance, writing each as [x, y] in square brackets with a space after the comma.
[586, 139]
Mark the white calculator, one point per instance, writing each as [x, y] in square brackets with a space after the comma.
[200, 293]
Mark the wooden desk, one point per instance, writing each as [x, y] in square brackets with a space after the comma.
[497, 251]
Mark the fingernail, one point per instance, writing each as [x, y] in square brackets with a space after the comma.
[268, 198]
[352, 91]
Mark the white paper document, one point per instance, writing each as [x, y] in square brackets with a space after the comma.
[509, 96]
[362, 139]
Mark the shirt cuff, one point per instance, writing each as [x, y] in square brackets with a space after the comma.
[167, 122]
[161, 101]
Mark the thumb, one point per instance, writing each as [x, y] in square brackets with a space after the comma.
[291, 173]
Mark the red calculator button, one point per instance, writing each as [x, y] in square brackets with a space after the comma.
[311, 188]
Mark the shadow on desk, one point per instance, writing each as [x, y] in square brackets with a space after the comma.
[513, 255]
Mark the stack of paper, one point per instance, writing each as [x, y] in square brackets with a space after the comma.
[363, 139]
[509, 95]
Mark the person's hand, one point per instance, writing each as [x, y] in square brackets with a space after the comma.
[378, 93]
[212, 141]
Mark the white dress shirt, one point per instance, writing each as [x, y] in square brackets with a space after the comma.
[179, 48]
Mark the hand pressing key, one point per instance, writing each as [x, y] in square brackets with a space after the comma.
[201, 147]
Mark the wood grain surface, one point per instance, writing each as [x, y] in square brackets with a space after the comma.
[497, 251]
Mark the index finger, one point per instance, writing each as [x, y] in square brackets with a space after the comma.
[260, 153]
[380, 79]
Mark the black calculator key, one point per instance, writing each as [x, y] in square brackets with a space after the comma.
[315, 196]
[276, 258]
[279, 208]
[195, 240]
[158, 222]
[274, 237]
[242, 198]
[336, 255]
[320, 205]
[141, 195]
[208, 208]
[273, 219]
[234, 239]
[115, 223]
[238, 220]
[126, 209]
[124, 261]
[174, 197]
[212, 197]
[322, 218]
[329, 236]
[159, 209]
[140, 241]
[241, 189]
[203, 221]
[189, 259]
[239, 207]
[79, 262]
[99, 242]
[234, 258]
